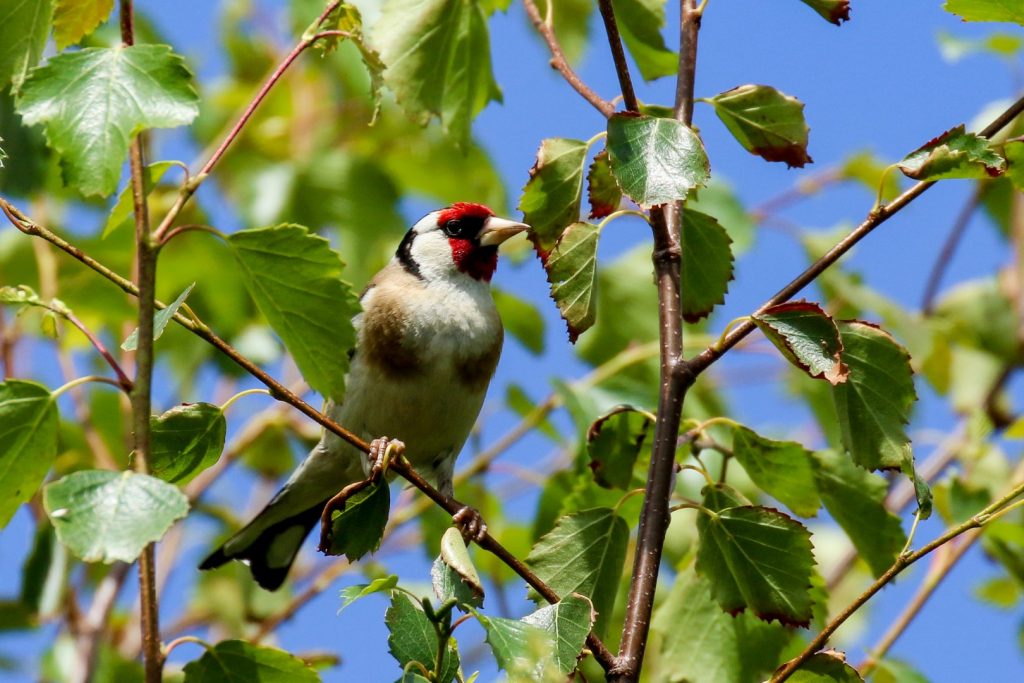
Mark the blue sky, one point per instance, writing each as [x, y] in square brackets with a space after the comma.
[877, 83]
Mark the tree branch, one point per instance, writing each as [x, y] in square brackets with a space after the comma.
[619, 55]
[561, 65]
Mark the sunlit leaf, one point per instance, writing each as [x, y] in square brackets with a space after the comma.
[783, 469]
[614, 442]
[359, 528]
[160, 320]
[828, 666]
[186, 440]
[412, 638]
[740, 553]
[92, 101]
[572, 270]
[706, 266]
[1013, 150]
[294, 277]
[655, 160]
[438, 58]
[237, 661]
[584, 554]
[350, 594]
[28, 442]
[347, 18]
[640, 23]
[954, 154]
[104, 516]
[567, 623]
[75, 19]
[856, 500]
[834, 11]
[986, 10]
[766, 122]
[807, 336]
[24, 27]
[552, 195]
[453, 574]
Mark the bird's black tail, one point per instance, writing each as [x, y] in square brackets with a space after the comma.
[270, 552]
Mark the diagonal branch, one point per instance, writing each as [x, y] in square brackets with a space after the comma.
[611, 28]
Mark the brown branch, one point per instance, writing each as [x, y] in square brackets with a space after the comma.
[560, 64]
[7, 339]
[611, 29]
[949, 247]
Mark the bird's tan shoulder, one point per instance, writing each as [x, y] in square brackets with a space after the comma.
[386, 340]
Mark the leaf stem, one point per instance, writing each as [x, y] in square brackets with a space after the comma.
[248, 392]
[181, 641]
[174, 232]
[623, 212]
[82, 380]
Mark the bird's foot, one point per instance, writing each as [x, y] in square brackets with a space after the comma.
[470, 523]
[382, 452]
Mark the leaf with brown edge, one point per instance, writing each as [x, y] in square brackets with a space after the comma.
[603, 190]
[954, 154]
[766, 122]
[706, 264]
[551, 198]
[808, 338]
[572, 270]
[833, 11]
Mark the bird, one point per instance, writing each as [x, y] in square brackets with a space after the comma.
[428, 342]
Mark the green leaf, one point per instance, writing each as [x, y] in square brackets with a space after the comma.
[359, 528]
[766, 122]
[568, 623]
[833, 11]
[954, 154]
[438, 57]
[160, 320]
[520, 318]
[719, 200]
[655, 160]
[895, 671]
[293, 275]
[24, 27]
[584, 554]
[756, 558]
[523, 650]
[552, 195]
[702, 644]
[75, 19]
[104, 516]
[453, 574]
[986, 10]
[640, 23]
[856, 500]
[875, 401]
[706, 265]
[412, 637]
[28, 442]
[783, 469]
[236, 661]
[1013, 150]
[808, 338]
[572, 271]
[872, 174]
[124, 206]
[570, 21]
[614, 442]
[828, 666]
[186, 440]
[603, 191]
[122, 90]
[347, 18]
[350, 594]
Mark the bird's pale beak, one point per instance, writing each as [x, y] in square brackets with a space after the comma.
[497, 230]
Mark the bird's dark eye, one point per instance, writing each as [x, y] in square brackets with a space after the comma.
[459, 228]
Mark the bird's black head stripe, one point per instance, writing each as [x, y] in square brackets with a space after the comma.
[404, 255]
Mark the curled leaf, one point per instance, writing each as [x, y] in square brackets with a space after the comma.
[954, 154]
[766, 122]
[807, 336]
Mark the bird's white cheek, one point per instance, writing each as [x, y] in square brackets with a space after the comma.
[433, 255]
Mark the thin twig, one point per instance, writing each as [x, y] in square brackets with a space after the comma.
[949, 248]
[559, 62]
[618, 55]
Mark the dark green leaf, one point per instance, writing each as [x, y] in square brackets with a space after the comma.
[834, 11]
[24, 27]
[413, 638]
[572, 270]
[614, 442]
[160, 320]
[350, 594]
[236, 661]
[551, 198]
[28, 442]
[603, 190]
[122, 89]
[706, 266]
[438, 57]
[719, 200]
[807, 336]
[987, 10]
[521, 318]
[766, 122]
[783, 469]
[828, 666]
[103, 516]
[640, 23]
[584, 554]
[655, 160]
[124, 207]
[702, 644]
[759, 559]
[185, 441]
[359, 528]
[75, 19]
[294, 277]
[954, 154]
[856, 500]
[453, 574]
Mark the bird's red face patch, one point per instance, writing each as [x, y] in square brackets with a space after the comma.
[464, 210]
[467, 254]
